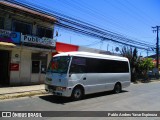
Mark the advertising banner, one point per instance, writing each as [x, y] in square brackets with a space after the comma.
[14, 67]
[36, 40]
[9, 36]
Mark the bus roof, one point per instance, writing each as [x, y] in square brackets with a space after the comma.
[92, 55]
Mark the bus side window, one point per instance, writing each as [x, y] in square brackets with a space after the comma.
[78, 65]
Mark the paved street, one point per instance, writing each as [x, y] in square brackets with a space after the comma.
[137, 97]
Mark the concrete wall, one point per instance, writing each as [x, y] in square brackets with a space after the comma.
[24, 60]
[15, 75]
[23, 76]
[25, 67]
[10, 16]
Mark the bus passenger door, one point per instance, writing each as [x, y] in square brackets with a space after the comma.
[95, 79]
[95, 82]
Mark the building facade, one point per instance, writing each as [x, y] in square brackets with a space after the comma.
[26, 44]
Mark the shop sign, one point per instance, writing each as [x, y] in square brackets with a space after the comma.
[14, 67]
[36, 40]
[9, 36]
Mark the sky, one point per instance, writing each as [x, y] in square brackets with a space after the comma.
[131, 18]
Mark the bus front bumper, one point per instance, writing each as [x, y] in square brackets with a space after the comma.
[53, 89]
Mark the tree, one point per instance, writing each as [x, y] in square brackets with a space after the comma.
[126, 52]
[133, 59]
[134, 65]
[139, 67]
[145, 65]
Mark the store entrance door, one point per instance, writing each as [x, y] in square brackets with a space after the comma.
[35, 76]
[4, 67]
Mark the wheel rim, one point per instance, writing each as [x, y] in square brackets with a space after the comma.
[77, 93]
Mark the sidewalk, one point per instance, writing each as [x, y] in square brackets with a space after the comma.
[146, 81]
[21, 91]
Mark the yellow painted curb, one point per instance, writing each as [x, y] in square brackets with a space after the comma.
[23, 94]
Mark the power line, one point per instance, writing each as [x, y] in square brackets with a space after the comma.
[87, 8]
[85, 28]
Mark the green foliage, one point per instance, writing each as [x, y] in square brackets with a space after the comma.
[144, 66]
[138, 67]
[133, 59]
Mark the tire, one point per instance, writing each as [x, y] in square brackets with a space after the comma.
[117, 88]
[77, 93]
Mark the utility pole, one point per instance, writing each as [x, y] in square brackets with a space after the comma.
[107, 46]
[156, 29]
[147, 53]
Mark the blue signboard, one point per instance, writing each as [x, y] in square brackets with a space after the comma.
[39, 41]
[9, 36]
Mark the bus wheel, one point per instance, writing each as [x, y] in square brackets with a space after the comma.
[77, 93]
[117, 88]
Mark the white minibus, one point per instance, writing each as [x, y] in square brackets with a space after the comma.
[75, 74]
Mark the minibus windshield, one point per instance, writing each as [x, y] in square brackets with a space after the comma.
[59, 64]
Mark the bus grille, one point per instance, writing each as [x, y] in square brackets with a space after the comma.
[51, 87]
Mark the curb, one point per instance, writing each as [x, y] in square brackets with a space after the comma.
[22, 94]
[151, 81]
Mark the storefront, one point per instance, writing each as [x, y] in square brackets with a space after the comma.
[24, 58]
[36, 53]
[8, 41]
[26, 52]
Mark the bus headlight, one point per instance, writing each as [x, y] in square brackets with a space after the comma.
[60, 88]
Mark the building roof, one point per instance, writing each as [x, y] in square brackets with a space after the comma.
[24, 10]
[153, 56]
